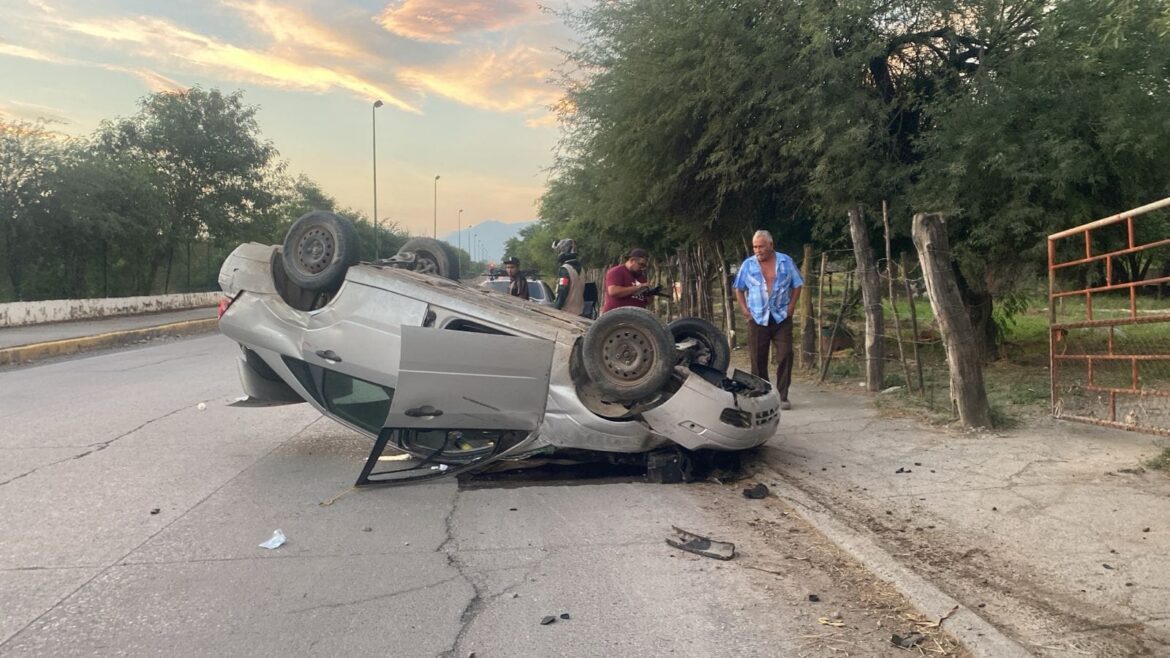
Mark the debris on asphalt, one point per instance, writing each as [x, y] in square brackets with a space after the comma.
[276, 541]
[201, 406]
[757, 492]
[515, 595]
[511, 509]
[1132, 471]
[830, 622]
[814, 598]
[908, 641]
[700, 545]
[547, 619]
[903, 470]
[564, 615]
[1145, 529]
[1107, 566]
[155, 510]
[367, 529]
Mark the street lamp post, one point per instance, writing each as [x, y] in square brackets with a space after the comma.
[459, 230]
[374, 141]
[435, 226]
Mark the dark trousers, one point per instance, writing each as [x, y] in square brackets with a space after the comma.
[778, 335]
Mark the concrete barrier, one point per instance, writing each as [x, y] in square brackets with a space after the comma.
[18, 314]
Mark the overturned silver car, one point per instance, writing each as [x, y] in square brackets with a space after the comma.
[452, 377]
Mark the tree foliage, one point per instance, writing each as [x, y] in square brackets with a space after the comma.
[150, 203]
[686, 122]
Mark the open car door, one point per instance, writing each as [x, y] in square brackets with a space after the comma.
[463, 399]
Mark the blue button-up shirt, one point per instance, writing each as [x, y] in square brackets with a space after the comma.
[765, 307]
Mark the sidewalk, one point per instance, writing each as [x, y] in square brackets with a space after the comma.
[1054, 533]
[32, 343]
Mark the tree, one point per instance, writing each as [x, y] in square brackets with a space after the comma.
[216, 169]
[28, 153]
[1068, 128]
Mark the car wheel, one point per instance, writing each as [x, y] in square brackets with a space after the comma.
[318, 249]
[628, 353]
[712, 351]
[432, 257]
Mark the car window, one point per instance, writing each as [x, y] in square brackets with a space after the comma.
[536, 291]
[360, 402]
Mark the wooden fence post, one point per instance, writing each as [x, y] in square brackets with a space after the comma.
[894, 298]
[821, 310]
[913, 325]
[871, 293]
[966, 368]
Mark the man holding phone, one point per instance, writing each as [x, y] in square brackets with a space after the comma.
[625, 283]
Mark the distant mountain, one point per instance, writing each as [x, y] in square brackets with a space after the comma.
[490, 234]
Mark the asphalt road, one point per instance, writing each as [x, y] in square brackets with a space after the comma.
[131, 523]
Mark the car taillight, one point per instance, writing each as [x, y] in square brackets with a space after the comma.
[224, 303]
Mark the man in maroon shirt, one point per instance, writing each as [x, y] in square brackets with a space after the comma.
[625, 284]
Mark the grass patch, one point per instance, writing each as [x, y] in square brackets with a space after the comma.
[1161, 462]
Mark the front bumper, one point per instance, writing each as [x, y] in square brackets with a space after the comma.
[702, 415]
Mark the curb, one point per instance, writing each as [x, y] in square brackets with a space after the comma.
[22, 354]
[976, 635]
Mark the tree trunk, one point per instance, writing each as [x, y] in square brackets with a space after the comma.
[170, 264]
[966, 370]
[808, 324]
[871, 296]
[979, 307]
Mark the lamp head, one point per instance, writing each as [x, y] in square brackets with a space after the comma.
[378, 103]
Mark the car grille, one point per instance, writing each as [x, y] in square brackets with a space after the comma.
[766, 416]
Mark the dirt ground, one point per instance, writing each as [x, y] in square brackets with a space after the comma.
[854, 614]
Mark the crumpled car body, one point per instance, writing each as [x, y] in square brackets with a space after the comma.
[494, 377]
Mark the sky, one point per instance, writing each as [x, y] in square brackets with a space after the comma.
[465, 86]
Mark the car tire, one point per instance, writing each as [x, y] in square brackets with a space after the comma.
[714, 352]
[432, 257]
[318, 250]
[628, 354]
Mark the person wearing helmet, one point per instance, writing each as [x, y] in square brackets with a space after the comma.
[570, 281]
[519, 285]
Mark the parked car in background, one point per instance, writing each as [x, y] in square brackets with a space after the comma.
[455, 377]
[538, 290]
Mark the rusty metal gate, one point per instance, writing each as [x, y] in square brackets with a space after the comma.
[1109, 320]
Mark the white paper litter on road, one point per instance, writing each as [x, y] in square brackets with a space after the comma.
[276, 541]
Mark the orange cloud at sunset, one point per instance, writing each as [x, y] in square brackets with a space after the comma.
[441, 21]
[27, 53]
[287, 26]
[510, 81]
[161, 40]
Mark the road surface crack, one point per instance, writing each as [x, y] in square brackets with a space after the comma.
[93, 447]
[477, 603]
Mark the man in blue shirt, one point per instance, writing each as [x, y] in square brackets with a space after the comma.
[767, 287]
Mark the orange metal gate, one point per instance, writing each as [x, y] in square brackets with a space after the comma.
[1109, 321]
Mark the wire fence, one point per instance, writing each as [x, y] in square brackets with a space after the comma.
[831, 330]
